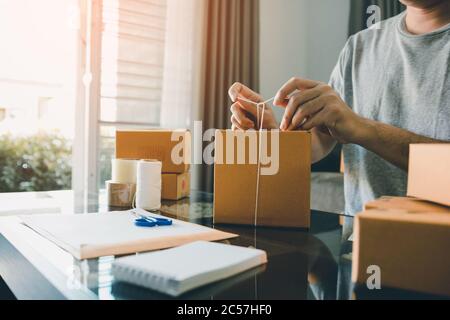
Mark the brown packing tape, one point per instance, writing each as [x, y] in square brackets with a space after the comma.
[120, 195]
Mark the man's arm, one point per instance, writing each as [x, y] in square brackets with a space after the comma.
[390, 143]
[316, 106]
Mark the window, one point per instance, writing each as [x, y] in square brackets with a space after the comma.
[72, 73]
[38, 61]
[132, 63]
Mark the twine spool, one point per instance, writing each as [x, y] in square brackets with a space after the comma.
[148, 190]
[124, 171]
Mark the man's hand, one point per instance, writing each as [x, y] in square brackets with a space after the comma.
[312, 105]
[244, 113]
[315, 105]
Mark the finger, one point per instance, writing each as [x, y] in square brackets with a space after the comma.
[316, 120]
[250, 108]
[296, 101]
[306, 111]
[237, 125]
[241, 117]
[291, 108]
[292, 85]
[238, 89]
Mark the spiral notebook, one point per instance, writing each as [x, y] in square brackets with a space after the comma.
[179, 270]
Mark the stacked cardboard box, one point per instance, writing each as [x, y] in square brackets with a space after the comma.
[175, 186]
[172, 148]
[408, 238]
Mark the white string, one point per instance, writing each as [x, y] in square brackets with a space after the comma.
[258, 105]
[258, 174]
[258, 124]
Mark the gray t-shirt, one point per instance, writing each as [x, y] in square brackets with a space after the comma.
[391, 76]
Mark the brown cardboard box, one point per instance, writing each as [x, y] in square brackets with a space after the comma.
[411, 205]
[155, 144]
[284, 198]
[175, 186]
[411, 250]
[429, 172]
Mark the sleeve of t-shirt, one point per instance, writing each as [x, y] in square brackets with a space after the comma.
[341, 77]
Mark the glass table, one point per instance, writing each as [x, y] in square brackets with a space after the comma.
[303, 264]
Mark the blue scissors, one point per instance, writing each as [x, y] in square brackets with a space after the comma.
[150, 222]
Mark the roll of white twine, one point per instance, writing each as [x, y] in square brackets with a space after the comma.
[124, 171]
[148, 190]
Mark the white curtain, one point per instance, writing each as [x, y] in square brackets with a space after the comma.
[183, 67]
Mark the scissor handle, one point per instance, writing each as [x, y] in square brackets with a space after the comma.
[163, 222]
[144, 223]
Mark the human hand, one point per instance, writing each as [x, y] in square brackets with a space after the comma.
[245, 114]
[315, 105]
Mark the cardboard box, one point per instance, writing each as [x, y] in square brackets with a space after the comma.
[411, 205]
[176, 186]
[410, 248]
[284, 197]
[158, 145]
[429, 172]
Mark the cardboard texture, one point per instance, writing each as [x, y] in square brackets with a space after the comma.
[175, 186]
[155, 144]
[429, 172]
[411, 248]
[284, 198]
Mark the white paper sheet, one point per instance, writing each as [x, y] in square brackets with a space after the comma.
[88, 236]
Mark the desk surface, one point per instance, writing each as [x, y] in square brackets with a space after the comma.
[314, 264]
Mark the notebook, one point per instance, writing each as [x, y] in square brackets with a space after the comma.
[179, 270]
[89, 236]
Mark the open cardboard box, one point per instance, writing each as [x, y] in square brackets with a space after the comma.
[409, 240]
[284, 194]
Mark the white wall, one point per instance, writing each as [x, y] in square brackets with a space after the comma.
[300, 38]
